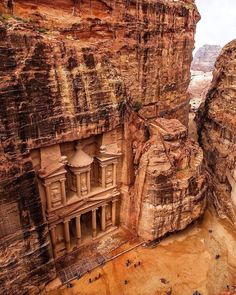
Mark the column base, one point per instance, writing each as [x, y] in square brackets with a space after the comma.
[102, 234]
[67, 247]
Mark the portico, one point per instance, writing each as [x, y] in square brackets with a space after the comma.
[83, 226]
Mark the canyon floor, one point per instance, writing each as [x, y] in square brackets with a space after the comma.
[202, 258]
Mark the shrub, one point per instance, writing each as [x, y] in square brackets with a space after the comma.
[137, 105]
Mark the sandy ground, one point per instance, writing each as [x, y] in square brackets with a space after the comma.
[179, 265]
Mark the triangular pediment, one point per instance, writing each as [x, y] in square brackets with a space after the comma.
[83, 205]
[52, 170]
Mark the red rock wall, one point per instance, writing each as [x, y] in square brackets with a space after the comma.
[170, 186]
[218, 135]
[150, 42]
[65, 77]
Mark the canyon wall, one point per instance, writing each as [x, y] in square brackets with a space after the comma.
[205, 57]
[169, 182]
[69, 72]
[170, 187]
[217, 132]
[149, 42]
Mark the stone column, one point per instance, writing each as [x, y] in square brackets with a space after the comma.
[103, 217]
[78, 184]
[88, 182]
[78, 229]
[48, 196]
[54, 241]
[113, 212]
[67, 235]
[103, 176]
[114, 174]
[63, 192]
[94, 222]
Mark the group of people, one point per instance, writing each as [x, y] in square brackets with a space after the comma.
[129, 262]
[95, 278]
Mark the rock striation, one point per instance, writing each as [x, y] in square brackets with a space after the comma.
[205, 57]
[217, 132]
[149, 42]
[170, 186]
[77, 70]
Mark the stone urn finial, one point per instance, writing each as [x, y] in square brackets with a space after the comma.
[64, 160]
[103, 149]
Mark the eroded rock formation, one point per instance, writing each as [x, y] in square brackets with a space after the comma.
[170, 185]
[201, 77]
[205, 57]
[71, 72]
[149, 42]
[217, 131]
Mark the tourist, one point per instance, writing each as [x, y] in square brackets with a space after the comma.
[69, 285]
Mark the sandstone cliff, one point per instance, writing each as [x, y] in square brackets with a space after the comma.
[217, 131]
[170, 184]
[149, 42]
[205, 57]
[67, 72]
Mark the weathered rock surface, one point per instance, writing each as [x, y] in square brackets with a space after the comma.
[218, 135]
[170, 186]
[198, 88]
[149, 42]
[201, 73]
[201, 77]
[205, 57]
[65, 77]
[167, 187]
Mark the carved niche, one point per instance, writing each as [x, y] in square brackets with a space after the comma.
[53, 179]
[107, 168]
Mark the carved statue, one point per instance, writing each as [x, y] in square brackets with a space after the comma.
[109, 176]
[84, 188]
[56, 194]
[108, 212]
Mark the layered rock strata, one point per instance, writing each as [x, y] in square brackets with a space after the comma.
[170, 186]
[150, 42]
[217, 131]
[68, 72]
[205, 57]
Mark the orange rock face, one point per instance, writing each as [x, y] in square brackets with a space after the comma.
[218, 135]
[71, 71]
[150, 43]
[170, 186]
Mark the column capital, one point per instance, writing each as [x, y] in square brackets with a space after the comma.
[103, 165]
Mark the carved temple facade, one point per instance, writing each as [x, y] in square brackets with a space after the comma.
[79, 193]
